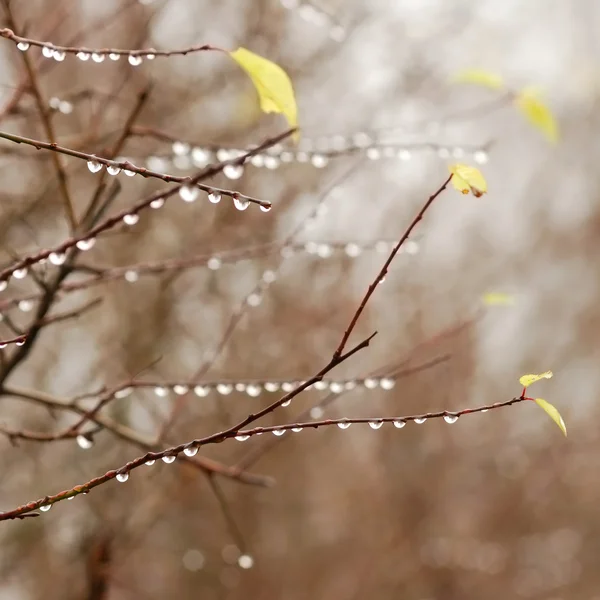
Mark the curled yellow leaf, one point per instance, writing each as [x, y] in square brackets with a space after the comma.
[527, 380]
[468, 179]
[498, 299]
[552, 413]
[480, 77]
[274, 87]
[528, 101]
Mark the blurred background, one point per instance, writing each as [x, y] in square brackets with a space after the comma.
[497, 505]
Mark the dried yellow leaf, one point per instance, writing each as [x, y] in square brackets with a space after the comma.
[527, 380]
[552, 413]
[480, 77]
[274, 87]
[468, 179]
[537, 113]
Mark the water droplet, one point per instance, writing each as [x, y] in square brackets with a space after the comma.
[420, 420]
[85, 245]
[233, 171]
[3, 285]
[180, 148]
[214, 263]
[180, 389]
[287, 386]
[20, 273]
[324, 250]
[269, 276]
[375, 424]
[45, 507]
[123, 393]
[191, 451]
[113, 170]
[484, 410]
[387, 383]
[266, 208]
[200, 157]
[271, 162]
[254, 300]
[240, 203]
[286, 403]
[316, 412]
[131, 219]
[150, 55]
[131, 276]
[344, 425]
[23, 46]
[83, 56]
[241, 438]
[381, 280]
[271, 386]
[399, 424]
[134, 60]
[319, 161]
[352, 250]
[404, 154]
[47, 51]
[373, 153]
[450, 418]
[278, 432]
[113, 56]
[94, 166]
[161, 392]
[98, 57]
[481, 157]
[149, 463]
[169, 458]
[336, 387]
[370, 383]
[245, 561]
[201, 391]
[214, 197]
[253, 390]
[224, 388]
[321, 385]
[25, 305]
[128, 172]
[294, 429]
[158, 203]
[84, 442]
[122, 477]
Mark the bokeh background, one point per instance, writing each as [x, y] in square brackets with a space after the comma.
[498, 505]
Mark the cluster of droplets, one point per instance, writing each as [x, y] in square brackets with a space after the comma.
[112, 168]
[96, 56]
[18, 342]
[62, 106]
[190, 193]
[316, 16]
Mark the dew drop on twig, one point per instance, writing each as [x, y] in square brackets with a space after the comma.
[131, 219]
[241, 438]
[158, 203]
[23, 46]
[344, 425]
[399, 424]
[240, 202]
[85, 245]
[134, 60]
[169, 459]
[94, 166]
[122, 477]
[420, 420]
[97, 57]
[191, 451]
[214, 197]
[84, 442]
[375, 424]
[45, 507]
[450, 418]
[83, 56]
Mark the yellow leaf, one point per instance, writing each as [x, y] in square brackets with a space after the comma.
[527, 380]
[498, 299]
[480, 77]
[468, 179]
[537, 113]
[553, 414]
[272, 83]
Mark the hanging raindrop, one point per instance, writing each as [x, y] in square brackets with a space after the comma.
[233, 171]
[241, 438]
[94, 166]
[344, 425]
[47, 51]
[420, 420]
[98, 57]
[375, 424]
[266, 207]
[169, 459]
[131, 219]
[450, 418]
[214, 197]
[122, 477]
[20, 273]
[191, 451]
[113, 170]
[158, 203]
[134, 60]
[83, 56]
[23, 46]
[85, 245]
[278, 432]
[240, 203]
[399, 424]
[84, 442]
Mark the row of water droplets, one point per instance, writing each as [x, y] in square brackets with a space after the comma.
[255, 388]
[317, 153]
[345, 424]
[58, 54]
